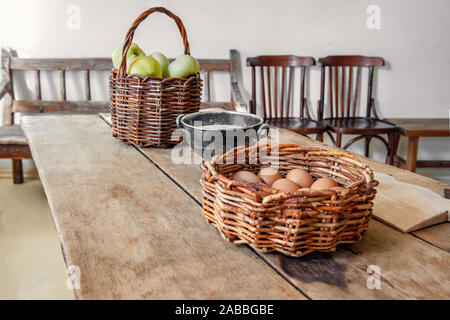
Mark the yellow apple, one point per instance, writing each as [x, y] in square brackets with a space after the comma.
[163, 63]
[145, 66]
[133, 52]
[183, 67]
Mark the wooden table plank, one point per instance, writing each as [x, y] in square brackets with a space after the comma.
[343, 274]
[438, 235]
[132, 232]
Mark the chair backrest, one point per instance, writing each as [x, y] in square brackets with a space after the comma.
[344, 81]
[11, 63]
[277, 78]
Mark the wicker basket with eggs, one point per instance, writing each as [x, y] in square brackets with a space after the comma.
[288, 198]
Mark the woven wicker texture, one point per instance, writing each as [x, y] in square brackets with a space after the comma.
[144, 109]
[291, 223]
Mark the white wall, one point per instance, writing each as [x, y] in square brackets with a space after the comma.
[413, 39]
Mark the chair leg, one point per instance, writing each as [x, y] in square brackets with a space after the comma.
[333, 141]
[338, 140]
[17, 171]
[389, 157]
[395, 141]
[319, 137]
[366, 145]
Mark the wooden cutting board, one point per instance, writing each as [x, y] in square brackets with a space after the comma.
[406, 206]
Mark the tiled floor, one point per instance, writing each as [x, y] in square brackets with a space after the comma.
[31, 263]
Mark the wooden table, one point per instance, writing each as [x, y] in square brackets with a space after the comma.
[131, 220]
[415, 128]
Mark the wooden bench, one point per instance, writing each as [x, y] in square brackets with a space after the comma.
[13, 144]
[415, 128]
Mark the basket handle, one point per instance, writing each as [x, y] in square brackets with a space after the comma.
[142, 17]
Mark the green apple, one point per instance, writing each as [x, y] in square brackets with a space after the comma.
[183, 66]
[133, 52]
[145, 66]
[163, 63]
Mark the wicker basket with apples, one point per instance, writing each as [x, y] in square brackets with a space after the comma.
[147, 93]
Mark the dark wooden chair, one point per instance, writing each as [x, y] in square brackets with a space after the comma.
[13, 144]
[277, 78]
[344, 79]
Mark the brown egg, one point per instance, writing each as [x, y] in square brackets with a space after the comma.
[337, 188]
[285, 185]
[324, 183]
[246, 176]
[300, 177]
[269, 175]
